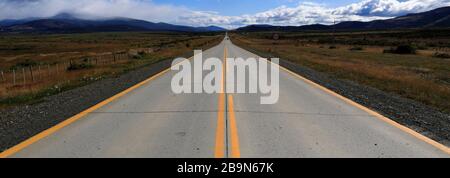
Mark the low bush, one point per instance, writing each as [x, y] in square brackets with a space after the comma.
[26, 63]
[79, 66]
[140, 55]
[402, 49]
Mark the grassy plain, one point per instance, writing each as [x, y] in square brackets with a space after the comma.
[19, 51]
[361, 57]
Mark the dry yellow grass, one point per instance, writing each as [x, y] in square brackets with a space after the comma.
[49, 57]
[418, 77]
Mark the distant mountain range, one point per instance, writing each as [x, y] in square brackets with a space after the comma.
[438, 18]
[67, 23]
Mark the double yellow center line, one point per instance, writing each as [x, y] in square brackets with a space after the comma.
[225, 148]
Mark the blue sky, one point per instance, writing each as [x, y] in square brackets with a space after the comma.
[225, 13]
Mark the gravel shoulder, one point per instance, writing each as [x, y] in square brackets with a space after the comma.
[22, 122]
[422, 118]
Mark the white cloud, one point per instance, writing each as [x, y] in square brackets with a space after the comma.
[312, 13]
[303, 13]
[391, 7]
[142, 9]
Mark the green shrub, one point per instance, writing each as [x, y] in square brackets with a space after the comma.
[402, 49]
[138, 56]
[79, 66]
[23, 64]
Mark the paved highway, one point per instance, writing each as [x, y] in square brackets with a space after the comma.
[308, 121]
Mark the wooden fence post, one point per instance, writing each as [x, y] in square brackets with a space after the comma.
[31, 72]
[14, 77]
[24, 76]
[39, 72]
[3, 76]
[48, 70]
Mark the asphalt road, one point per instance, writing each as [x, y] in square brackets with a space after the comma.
[151, 121]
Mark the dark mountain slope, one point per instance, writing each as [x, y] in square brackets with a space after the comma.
[69, 23]
[438, 18]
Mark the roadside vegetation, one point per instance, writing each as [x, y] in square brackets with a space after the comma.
[412, 64]
[35, 66]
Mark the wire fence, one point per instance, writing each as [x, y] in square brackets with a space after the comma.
[32, 74]
[25, 78]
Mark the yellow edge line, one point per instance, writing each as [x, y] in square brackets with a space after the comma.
[75, 118]
[220, 131]
[219, 150]
[235, 150]
[371, 112]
